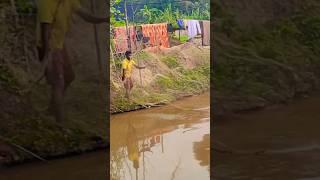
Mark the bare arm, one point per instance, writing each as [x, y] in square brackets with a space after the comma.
[139, 67]
[91, 18]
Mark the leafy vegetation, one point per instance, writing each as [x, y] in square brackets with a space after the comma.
[25, 7]
[167, 12]
[115, 12]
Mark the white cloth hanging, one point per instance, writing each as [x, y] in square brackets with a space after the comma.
[193, 28]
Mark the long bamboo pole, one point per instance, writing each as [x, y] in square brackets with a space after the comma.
[133, 15]
[127, 29]
[22, 149]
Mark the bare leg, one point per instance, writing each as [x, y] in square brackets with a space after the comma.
[127, 87]
[56, 78]
[127, 93]
[69, 75]
[50, 109]
[130, 83]
[57, 100]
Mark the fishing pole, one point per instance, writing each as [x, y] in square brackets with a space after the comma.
[22, 149]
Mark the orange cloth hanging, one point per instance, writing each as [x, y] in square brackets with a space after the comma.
[121, 39]
[157, 33]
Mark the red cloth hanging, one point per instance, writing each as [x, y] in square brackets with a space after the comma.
[121, 39]
[157, 33]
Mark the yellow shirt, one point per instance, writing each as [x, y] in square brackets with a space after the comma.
[127, 66]
[47, 9]
[132, 156]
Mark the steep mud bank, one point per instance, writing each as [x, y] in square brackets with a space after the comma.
[170, 74]
[24, 120]
[266, 64]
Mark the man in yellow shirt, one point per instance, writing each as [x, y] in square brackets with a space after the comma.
[54, 20]
[127, 65]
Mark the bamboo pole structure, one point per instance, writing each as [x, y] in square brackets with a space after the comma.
[140, 75]
[126, 21]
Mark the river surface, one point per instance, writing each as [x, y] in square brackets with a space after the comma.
[91, 166]
[165, 143]
[288, 135]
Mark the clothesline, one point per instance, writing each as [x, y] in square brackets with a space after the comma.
[157, 34]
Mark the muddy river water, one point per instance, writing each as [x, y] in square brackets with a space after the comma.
[289, 137]
[172, 142]
[165, 143]
[90, 166]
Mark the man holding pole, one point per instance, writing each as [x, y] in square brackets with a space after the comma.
[54, 20]
[127, 65]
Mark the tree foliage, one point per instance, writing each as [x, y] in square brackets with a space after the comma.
[163, 11]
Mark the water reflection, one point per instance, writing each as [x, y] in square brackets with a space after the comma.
[173, 144]
[83, 167]
[202, 150]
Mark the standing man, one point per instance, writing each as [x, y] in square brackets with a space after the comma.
[127, 65]
[54, 20]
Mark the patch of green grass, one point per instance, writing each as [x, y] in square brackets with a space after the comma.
[183, 38]
[170, 61]
[142, 56]
[150, 97]
[158, 97]
[193, 80]
[122, 103]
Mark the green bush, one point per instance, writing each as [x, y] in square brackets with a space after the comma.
[165, 82]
